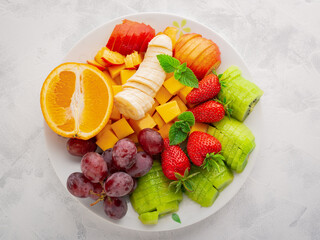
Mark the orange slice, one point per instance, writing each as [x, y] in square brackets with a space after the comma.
[76, 100]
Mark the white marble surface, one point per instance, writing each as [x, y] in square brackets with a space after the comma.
[279, 40]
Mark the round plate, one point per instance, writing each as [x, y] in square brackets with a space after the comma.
[189, 211]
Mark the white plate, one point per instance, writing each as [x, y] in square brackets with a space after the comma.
[189, 211]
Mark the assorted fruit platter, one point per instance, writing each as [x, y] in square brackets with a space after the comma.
[151, 121]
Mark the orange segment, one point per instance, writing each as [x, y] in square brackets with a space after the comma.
[76, 100]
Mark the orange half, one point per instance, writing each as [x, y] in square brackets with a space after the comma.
[76, 100]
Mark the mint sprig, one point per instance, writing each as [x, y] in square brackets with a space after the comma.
[180, 71]
[180, 129]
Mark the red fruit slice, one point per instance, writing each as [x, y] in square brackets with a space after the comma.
[123, 31]
[113, 37]
[96, 64]
[148, 38]
[125, 45]
[112, 58]
[183, 40]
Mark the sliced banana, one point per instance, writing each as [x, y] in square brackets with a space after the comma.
[128, 105]
[150, 83]
[145, 100]
[154, 51]
[142, 87]
[161, 40]
[154, 75]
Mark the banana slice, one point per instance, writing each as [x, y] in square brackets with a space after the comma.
[151, 63]
[154, 51]
[154, 75]
[161, 40]
[145, 100]
[142, 87]
[128, 105]
[150, 83]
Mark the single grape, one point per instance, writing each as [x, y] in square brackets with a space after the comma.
[94, 167]
[118, 184]
[78, 185]
[115, 208]
[151, 141]
[97, 190]
[79, 147]
[107, 156]
[135, 184]
[142, 165]
[123, 153]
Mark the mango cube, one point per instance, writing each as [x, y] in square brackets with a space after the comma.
[117, 80]
[173, 85]
[183, 93]
[153, 109]
[169, 111]
[134, 137]
[125, 74]
[163, 95]
[181, 104]
[115, 70]
[107, 140]
[158, 119]
[115, 114]
[116, 89]
[107, 127]
[113, 82]
[122, 128]
[201, 127]
[164, 131]
[146, 122]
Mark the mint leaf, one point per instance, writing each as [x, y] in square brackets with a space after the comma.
[168, 63]
[182, 67]
[176, 218]
[177, 75]
[189, 79]
[188, 117]
[176, 135]
[183, 125]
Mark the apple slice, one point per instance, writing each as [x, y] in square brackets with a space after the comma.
[184, 39]
[96, 64]
[98, 57]
[198, 51]
[187, 48]
[112, 58]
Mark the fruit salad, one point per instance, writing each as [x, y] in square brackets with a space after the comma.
[151, 121]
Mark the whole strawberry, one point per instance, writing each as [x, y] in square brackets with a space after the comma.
[203, 149]
[208, 112]
[209, 87]
[174, 160]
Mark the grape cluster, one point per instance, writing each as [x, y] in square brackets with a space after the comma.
[111, 176]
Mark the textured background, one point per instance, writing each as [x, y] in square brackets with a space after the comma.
[280, 42]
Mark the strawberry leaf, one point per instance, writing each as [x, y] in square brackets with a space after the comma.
[187, 185]
[168, 63]
[176, 218]
[220, 75]
[188, 117]
[214, 72]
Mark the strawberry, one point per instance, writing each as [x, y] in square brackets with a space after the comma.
[203, 149]
[208, 112]
[176, 165]
[209, 87]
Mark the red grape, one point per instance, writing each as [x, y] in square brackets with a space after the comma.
[115, 208]
[97, 190]
[123, 154]
[135, 184]
[107, 156]
[94, 167]
[118, 184]
[79, 147]
[142, 165]
[151, 141]
[78, 185]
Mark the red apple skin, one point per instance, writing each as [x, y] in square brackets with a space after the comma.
[183, 40]
[113, 36]
[188, 48]
[112, 58]
[198, 51]
[96, 64]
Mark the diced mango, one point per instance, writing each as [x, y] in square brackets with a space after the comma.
[109, 78]
[201, 127]
[115, 114]
[146, 122]
[107, 127]
[173, 85]
[117, 80]
[122, 128]
[115, 70]
[107, 140]
[158, 119]
[163, 95]
[151, 111]
[171, 32]
[134, 137]
[116, 89]
[126, 74]
[168, 111]
[164, 131]
[181, 104]
[183, 93]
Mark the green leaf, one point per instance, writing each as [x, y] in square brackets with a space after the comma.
[220, 75]
[183, 22]
[187, 185]
[183, 67]
[176, 24]
[168, 63]
[176, 135]
[183, 125]
[189, 79]
[177, 75]
[188, 117]
[176, 218]
[187, 29]
[214, 71]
